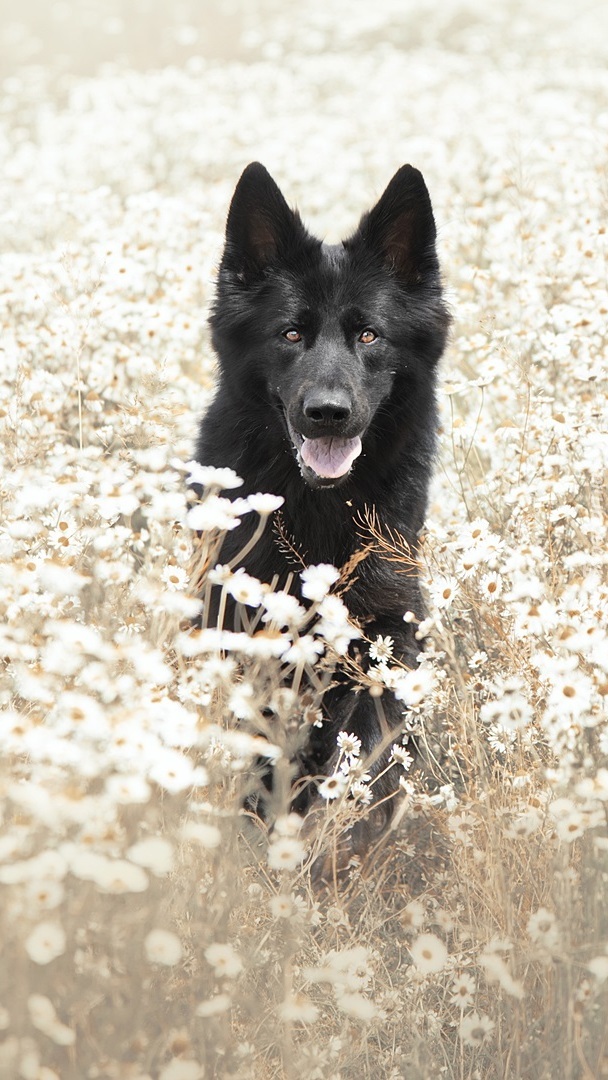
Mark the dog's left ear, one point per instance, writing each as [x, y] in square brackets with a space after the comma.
[401, 227]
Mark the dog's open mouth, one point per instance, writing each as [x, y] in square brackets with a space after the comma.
[329, 457]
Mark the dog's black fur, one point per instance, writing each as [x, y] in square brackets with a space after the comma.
[319, 342]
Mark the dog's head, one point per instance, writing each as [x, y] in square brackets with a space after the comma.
[328, 334]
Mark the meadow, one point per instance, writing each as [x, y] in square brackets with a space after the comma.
[151, 929]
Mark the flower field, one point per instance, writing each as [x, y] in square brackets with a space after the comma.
[151, 928]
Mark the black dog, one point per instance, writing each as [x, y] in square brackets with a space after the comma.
[327, 361]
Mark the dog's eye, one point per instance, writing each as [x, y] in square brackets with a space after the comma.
[292, 335]
[367, 336]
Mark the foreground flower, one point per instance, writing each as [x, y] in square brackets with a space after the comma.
[496, 970]
[356, 1005]
[245, 589]
[335, 625]
[286, 853]
[490, 587]
[350, 745]
[598, 967]
[213, 1006]
[429, 953]
[45, 943]
[475, 1029]
[443, 591]
[543, 928]
[463, 990]
[412, 688]
[281, 906]
[224, 960]
[264, 503]
[181, 1069]
[402, 757]
[333, 786]
[213, 513]
[163, 947]
[125, 788]
[59, 579]
[175, 772]
[110, 875]
[283, 609]
[208, 836]
[298, 1009]
[154, 853]
[346, 969]
[318, 580]
[43, 1016]
[210, 476]
[381, 649]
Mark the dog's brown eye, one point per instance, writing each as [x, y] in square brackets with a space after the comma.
[292, 335]
[367, 336]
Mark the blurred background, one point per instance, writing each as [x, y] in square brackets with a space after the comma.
[79, 36]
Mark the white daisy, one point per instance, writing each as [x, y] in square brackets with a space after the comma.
[163, 947]
[429, 953]
[224, 960]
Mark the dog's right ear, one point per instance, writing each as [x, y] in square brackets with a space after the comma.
[261, 228]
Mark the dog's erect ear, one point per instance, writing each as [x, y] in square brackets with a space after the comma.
[261, 227]
[401, 227]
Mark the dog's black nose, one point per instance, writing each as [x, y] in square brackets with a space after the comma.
[327, 408]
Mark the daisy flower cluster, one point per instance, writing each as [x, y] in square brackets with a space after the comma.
[153, 926]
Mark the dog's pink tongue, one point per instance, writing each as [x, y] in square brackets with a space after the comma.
[330, 456]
